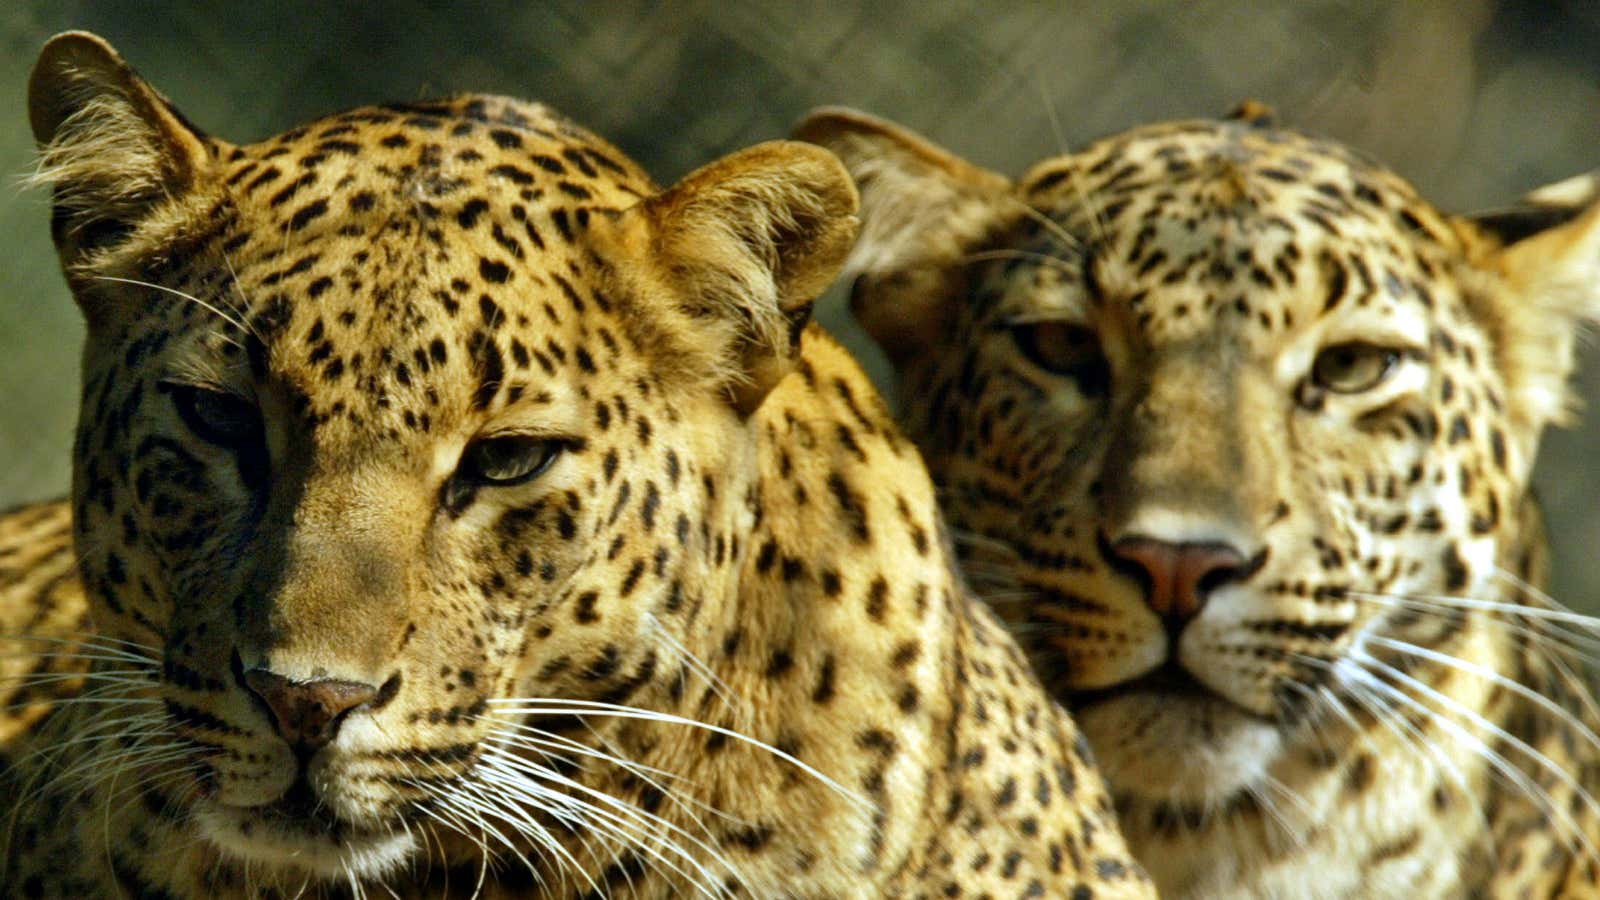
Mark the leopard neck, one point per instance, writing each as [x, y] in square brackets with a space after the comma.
[840, 601]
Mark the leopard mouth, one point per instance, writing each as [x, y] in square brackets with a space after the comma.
[1168, 680]
[300, 809]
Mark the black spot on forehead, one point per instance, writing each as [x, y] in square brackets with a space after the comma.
[1135, 163]
[395, 142]
[376, 144]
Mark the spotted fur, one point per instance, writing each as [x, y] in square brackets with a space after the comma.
[1237, 431]
[459, 514]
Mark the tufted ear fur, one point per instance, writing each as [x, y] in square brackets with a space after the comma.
[922, 209]
[110, 146]
[1546, 254]
[746, 244]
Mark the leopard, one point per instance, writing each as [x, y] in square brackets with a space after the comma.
[1234, 430]
[455, 512]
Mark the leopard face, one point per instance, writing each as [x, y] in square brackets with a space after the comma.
[394, 417]
[1238, 430]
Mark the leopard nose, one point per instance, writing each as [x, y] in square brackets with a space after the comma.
[307, 713]
[1178, 577]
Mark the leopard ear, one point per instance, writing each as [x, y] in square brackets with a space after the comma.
[922, 210]
[1254, 113]
[744, 245]
[1546, 252]
[111, 147]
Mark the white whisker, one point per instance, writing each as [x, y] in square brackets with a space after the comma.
[1363, 663]
[697, 665]
[190, 297]
[547, 706]
[1521, 690]
[1563, 616]
[613, 814]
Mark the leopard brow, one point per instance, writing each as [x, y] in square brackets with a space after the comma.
[1377, 332]
[199, 371]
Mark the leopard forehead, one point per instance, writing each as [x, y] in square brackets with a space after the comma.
[1229, 229]
[1222, 171]
[359, 253]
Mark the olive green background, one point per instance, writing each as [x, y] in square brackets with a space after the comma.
[1474, 101]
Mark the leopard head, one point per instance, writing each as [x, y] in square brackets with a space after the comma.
[1236, 427]
[394, 417]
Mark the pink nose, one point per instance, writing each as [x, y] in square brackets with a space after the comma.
[1179, 576]
[307, 713]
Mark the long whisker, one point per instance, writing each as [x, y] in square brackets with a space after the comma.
[968, 536]
[628, 766]
[577, 814]
[699, 666]
[548, 706]
[1521, 690]
[190, 297]
[1061, 234]
[1524, 587]
[100, 729]
[1532, 753]
[548, 743]
[127, 676]
[1563, 616]
[620, 816]
[545, 743]
[513, 815]
[1405, 733]
[1560, 641]
[482, 801]
[238, 287]
[134, 651]
[1368, 690]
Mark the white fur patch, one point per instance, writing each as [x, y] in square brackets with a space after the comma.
[250, 837]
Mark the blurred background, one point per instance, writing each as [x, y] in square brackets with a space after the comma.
[1474, 101]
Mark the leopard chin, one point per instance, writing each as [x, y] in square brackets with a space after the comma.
[1179, 744]
[298, 837]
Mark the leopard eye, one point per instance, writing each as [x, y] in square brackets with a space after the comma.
[1062, 348]
[508, 460]
[218, 417]
[1354, 367]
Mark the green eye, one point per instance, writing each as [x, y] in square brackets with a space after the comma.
[1065, 349]
[1354, 367]
[217, 417]
[505, 461]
